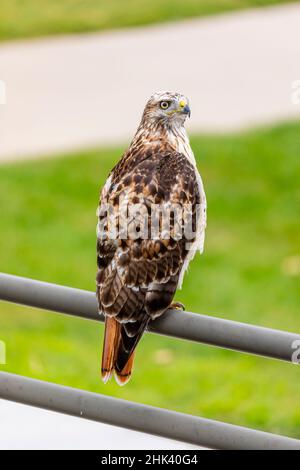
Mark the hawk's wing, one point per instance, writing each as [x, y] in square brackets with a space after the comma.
[137, 278]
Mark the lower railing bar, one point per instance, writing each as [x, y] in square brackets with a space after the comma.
[184, 325]
[143, 418]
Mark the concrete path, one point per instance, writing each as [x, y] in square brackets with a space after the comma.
[77, 91]
[24, 427]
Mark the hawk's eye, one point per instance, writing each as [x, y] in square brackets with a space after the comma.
[164, 104]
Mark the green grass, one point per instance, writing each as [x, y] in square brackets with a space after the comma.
[250, 272]
[30, 18]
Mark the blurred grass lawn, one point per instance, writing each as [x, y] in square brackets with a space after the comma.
[250, 272]
[30, 18]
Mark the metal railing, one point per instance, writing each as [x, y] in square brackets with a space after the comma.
[184, 325]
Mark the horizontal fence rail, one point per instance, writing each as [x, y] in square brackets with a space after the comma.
[184, 325]
[143, 418]
[205, 329]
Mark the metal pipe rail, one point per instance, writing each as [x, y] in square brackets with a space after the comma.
[184, 325]
[126, 414]
[195, 327]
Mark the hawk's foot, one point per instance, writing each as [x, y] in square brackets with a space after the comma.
[177, 306]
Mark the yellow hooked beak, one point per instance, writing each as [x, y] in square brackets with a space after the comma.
[184, 108]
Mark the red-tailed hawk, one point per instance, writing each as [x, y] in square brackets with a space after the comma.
[152, 218]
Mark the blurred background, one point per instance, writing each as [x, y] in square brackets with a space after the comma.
[77, 75]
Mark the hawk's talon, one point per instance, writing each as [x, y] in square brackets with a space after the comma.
[177, 306]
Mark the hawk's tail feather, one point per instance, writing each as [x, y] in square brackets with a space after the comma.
[123, 376]
[111, 339]
[120, 341]
[128, 341]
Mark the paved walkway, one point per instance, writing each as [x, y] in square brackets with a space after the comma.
[77, 91]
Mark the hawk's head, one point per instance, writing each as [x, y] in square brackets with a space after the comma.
[168, 107]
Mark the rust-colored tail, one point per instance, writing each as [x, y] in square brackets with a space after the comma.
[111, 339]
[120, 341]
